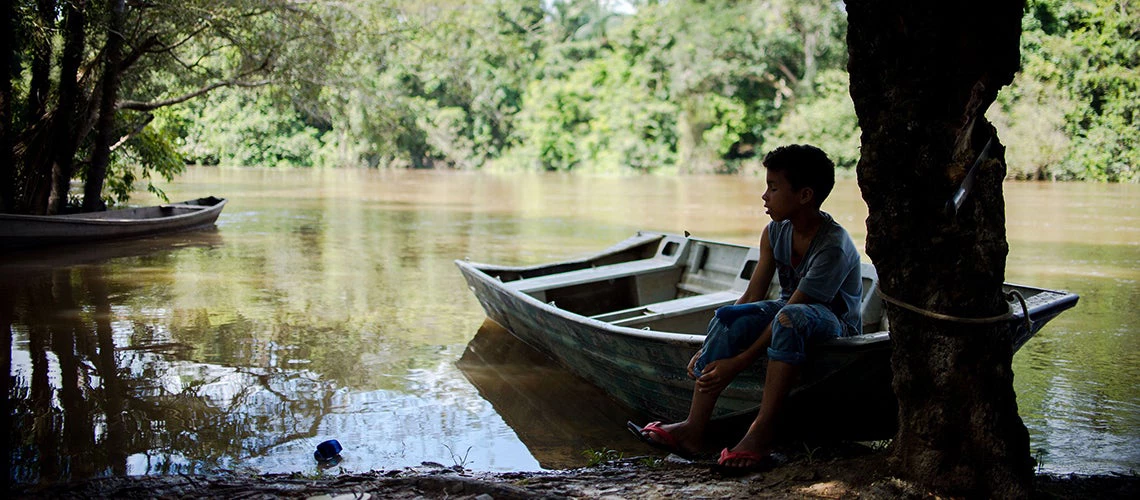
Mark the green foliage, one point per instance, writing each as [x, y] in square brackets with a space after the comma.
[599, 117]
[676, 86]
[826, 119]
[261, 58]
[1074, 107]
[650, 462]
[575, 85]
[407, 84]
[680, 86]
[1030, 118]
[600, 456]
[173, 53]
[151, 152]
[247, 127]
[148, 153]
[459, 461]
[743, 66]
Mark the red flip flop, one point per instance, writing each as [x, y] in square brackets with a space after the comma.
[760, 463]
[664, 441]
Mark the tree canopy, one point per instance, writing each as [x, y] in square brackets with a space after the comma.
[1073, 111]
[567, 85]
[87, 78]
[669, 87]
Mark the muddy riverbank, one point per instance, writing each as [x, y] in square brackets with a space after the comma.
[810, 474]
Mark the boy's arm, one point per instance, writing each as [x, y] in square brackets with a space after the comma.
[758, 284]
[761, 278]
[717, 374]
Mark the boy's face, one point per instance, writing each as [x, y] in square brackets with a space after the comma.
[781, 200]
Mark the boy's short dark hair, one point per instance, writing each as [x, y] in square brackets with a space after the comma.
[804, 166]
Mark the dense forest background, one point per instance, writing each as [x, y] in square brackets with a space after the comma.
[679, 86]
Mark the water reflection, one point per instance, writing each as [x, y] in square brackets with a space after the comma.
[81, 406]
[103, 393]
[556, 414]
[189, 355]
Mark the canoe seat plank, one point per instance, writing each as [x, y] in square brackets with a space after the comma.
[694, 302]
[670, 308]
[599, 273]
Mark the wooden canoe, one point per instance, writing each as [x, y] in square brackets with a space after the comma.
[25, 231]
[629, 318]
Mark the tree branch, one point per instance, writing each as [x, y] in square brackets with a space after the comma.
[788, 73]
[138, 129]
[153, 105]
[138, 51]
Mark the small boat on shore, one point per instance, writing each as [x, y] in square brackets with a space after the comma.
[26, 231]
[629, 318]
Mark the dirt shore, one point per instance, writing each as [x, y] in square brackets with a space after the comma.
[818, 474]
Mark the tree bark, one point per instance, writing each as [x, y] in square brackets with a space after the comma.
[104, 127]
[63, 123]
[7, 135]
[41, 64]
[7, 201]
[923, 74]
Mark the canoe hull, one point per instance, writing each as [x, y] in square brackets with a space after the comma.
[639, 355]
[26, 231]
[649, 374]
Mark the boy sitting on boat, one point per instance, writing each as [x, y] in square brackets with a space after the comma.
[820, 290]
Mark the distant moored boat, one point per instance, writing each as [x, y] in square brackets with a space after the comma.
[25, 231]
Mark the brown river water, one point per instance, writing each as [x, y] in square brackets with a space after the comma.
[326, 305]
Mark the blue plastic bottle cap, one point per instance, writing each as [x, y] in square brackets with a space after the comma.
[327, 450]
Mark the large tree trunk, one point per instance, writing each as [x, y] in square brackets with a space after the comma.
[7, 202]
[923, 74]
[32, 159]
[41, 48]
[64, 143]
[104, 128]
[7, 135]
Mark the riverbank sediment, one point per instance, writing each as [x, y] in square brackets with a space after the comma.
[813, 474]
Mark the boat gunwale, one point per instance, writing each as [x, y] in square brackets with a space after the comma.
[872, 340]
[1065, 298]
[863, 341]
[196, 211]
[663, 337]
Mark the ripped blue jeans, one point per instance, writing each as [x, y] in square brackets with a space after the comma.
[734, 328]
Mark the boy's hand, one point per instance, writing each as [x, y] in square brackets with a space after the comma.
[693, 363]
[718, 374]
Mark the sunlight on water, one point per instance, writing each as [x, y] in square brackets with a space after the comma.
[326, 306]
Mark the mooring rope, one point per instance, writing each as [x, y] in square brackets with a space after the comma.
[1012, 294]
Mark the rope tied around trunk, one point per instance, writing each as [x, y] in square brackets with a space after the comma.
[1008, 315]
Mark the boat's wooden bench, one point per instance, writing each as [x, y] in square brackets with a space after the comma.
[871, 307]
[669, 308]
[599, 273]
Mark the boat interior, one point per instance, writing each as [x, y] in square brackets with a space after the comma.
[166, 210]
[659, 282]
